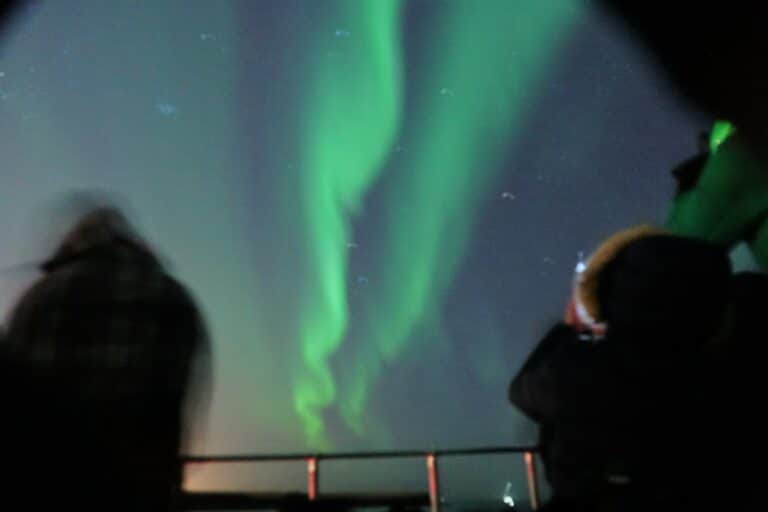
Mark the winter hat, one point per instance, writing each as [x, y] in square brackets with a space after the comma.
[643, 279]
[665, 284]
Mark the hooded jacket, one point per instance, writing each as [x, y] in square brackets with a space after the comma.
[102, 352]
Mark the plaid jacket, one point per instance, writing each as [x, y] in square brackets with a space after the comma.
[110, 315]
[102, 352]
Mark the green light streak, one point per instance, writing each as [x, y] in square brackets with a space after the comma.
[721, 130]
[489, 58]
[729, 200]
[729, 203]
[353, 114]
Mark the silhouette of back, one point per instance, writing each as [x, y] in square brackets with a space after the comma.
[99, 355]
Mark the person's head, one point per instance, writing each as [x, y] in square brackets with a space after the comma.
[98, 225]
[86, 219]
[664, 286]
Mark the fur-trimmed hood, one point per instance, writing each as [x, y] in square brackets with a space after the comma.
[642, 279]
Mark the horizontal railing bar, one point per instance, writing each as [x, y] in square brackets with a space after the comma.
[199, 459]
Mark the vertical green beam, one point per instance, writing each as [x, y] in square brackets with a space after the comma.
[353, 110]
[486, 62]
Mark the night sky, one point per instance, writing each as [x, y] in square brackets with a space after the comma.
[378, 204]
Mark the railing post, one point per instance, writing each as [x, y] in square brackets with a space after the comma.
[312, 478]
[434, 483]
[533, 484]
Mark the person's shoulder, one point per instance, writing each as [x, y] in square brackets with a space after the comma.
[565, 335]
[560, 342]
[177, 290]
[561, 331]
[179, 298]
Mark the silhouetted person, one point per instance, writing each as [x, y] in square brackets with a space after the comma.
[738, 361]
[621, 394]
[100, 357]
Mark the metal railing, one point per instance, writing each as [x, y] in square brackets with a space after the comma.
[312, 461]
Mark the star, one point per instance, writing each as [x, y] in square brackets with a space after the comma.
[166, 109]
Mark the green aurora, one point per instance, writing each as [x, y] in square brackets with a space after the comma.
[485, 62]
